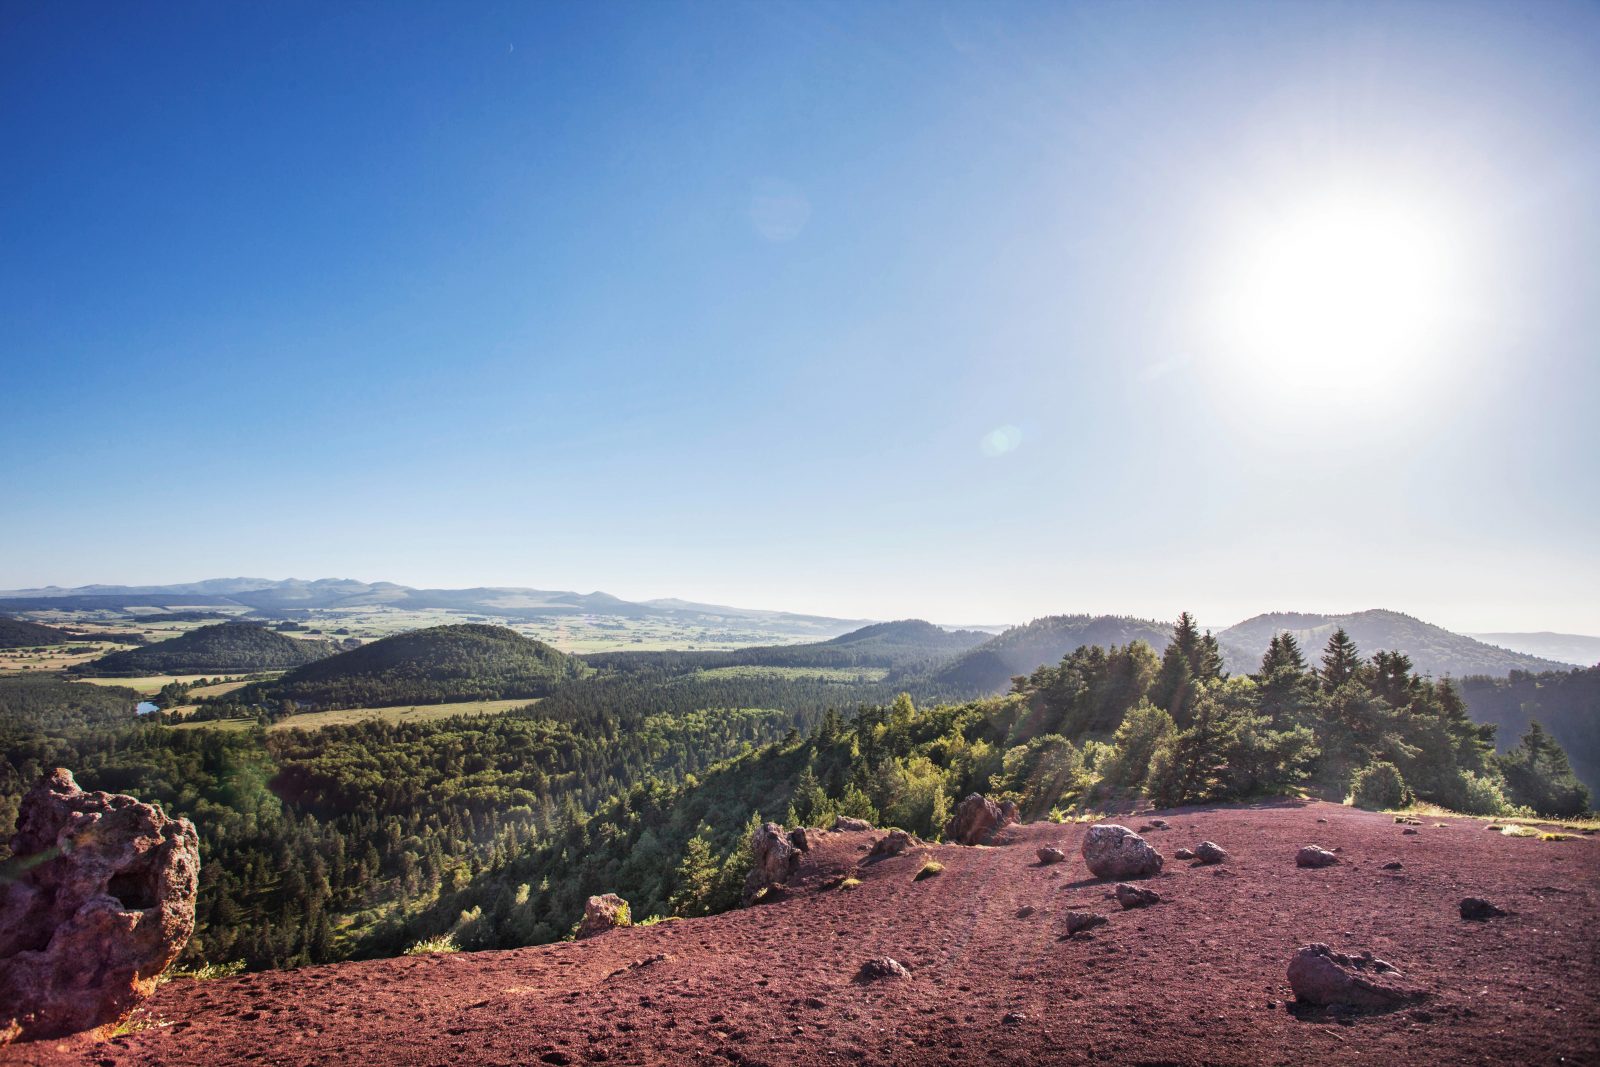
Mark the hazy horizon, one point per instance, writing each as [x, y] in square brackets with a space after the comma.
[968, 313]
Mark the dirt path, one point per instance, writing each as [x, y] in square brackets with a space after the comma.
[1198, 979]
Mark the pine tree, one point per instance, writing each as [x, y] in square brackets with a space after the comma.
[1341, 660]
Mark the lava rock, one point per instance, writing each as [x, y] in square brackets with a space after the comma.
[1079, 921]
[776, 859]
[1312, 856]
[845, 823]
[1409, 830]
[883, 967]
[1319, 975]
[602, 913]
[100, 904]
[1116, 852]
[800, 838]
[894, 843]
[1210, 852]
[1048, 855]
[1478, 910]
[1131, 896]
[1393, 865]
[1025, 911]
[1184, 854]
[976, 819]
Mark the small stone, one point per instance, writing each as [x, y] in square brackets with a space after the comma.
[1025, 911]
[1409, 830]
[1048, 855]
[1014, 1018]
[1132, 896]
[1393, 865]
[1184, 854]
[1479, 910]
[1322, 820]
[1312, 856]
[1079, 921]
[1159, 824]
[881, 968]
[1210, 852]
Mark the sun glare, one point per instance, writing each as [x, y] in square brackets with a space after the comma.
[1339, 293]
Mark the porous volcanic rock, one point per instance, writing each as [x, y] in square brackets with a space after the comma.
[1116, 852]
[776, 859]
[1131, 896]
[1319, 975]
[602, 913]
[1478, 909]
[1049, 855]
[1313, 856]
[976, 819]
[1184, 854]
[1079, 921]
[98, 903]
[845, 824]
[882, 967]
[800, 838]
[1210, 852]
[894, 843]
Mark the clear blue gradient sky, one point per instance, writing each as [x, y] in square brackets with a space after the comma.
[864, 309]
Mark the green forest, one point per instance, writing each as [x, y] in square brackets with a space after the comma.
[644, 778]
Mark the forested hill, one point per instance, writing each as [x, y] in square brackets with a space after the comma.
[1433, 649]
[227, 646]
[431, 666]
[1566, 703]
[18, 633]
[906, 644]
[990, 666]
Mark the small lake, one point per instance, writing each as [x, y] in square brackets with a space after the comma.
[144, 707]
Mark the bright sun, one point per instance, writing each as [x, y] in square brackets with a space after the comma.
[1341, 292]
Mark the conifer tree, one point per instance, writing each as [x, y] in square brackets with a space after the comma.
[1341, 660]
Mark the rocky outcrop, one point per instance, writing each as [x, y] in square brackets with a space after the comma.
[845, 823]
[1313, 856]
[1319, 975]
[97, 901]
[800, 838]
[1049, 855]
[894, 843]
[977, 818]
[1131, 896]
[603, 913]
[775, 856]
[1208, 852]
[1116, 852]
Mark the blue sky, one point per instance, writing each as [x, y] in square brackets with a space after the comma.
[864, 309]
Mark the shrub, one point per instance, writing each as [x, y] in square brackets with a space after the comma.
[442, 943]
[929, 870]
[1378, 785]
[1481, 795]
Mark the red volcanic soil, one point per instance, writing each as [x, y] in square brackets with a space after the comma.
[1197, 979]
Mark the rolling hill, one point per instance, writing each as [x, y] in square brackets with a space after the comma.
[226, 646]
[1433, 649]
[989, 667]
[431, 666]
[19, 633]
[1563, 648]
[904, 645]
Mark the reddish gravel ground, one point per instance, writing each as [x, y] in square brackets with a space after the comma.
[1197, 979]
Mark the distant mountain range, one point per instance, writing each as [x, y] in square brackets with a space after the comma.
[275, 599]
[1568, 648]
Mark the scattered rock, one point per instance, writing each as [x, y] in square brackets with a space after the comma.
[800, 838]
[1312, 856]
[1479, 910]
[977, 818]
[603, 913]
[1210, 852]
[1048, 855]
[1131, 896]
[847, 824]
[103, 904]
[1159, 824]
[1322, 820]
[882, 967]
[1319, 975]
[1146, 828]
[1079, 921]
[1409, 830]
[1013, 1018]
[1184, 854]
[1116, 852]
[1407, 820]
[775, 859]
[1025, 911]
[1393, 865]
[894, 843]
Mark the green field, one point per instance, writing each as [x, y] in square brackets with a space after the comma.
[215, 724]
[832, 674]
[150, 685]
[315, 720]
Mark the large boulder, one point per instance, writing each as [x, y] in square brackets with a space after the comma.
[1117, 853]
[775, 856]
[602, 913]
[97, 901]
[1319, 975]
[875, 970]
[1314, 856]
[845, 824]
[894, 843]
[977, 818]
